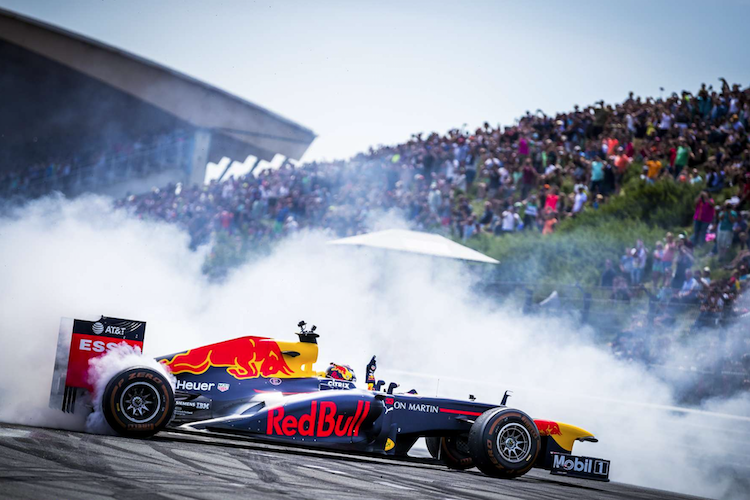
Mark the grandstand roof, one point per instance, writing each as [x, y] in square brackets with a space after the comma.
[239, 122]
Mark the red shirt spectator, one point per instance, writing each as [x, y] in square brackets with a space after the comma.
[225, 218]
[672, 156]
[704, 210]
[551, 201]
[523, 147]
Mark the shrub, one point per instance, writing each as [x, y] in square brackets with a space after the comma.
[665, 204]
[577, 250]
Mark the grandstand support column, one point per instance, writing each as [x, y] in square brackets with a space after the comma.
[255, 165]
[199, 159]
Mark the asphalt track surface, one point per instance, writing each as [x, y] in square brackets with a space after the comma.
[44, 463]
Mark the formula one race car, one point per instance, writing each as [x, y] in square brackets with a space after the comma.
[268, 390]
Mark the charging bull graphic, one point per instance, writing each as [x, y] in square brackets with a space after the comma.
[548, 428]
[244, 358]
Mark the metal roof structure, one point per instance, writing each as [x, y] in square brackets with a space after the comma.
[241, 127]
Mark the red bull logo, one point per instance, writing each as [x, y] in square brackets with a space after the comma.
[321, 421]
[245, 357]
[548, 428]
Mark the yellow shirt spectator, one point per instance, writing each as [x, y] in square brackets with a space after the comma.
[654, 167]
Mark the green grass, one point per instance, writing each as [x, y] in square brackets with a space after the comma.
[576, 251]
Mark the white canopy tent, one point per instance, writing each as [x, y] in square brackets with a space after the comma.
[416, 242]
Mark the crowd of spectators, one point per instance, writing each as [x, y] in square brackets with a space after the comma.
[498, 180]
[495, 180]
[682, 292]
[676, 284]
[98, 166]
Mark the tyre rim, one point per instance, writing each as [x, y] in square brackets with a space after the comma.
[514, 442]
[139, 402]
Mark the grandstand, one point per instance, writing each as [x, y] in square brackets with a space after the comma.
[79, 115]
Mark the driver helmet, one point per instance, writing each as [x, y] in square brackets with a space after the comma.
[340, 372]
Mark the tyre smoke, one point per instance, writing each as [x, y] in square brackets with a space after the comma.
[104, 368]
[83, 259]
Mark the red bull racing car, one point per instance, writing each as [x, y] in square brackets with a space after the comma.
[269, 390]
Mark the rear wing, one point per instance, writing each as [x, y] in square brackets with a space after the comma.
[78, 342]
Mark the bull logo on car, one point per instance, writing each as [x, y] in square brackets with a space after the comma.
[243, 358]
[548, 428]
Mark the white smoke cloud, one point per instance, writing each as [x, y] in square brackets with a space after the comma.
[82, 259]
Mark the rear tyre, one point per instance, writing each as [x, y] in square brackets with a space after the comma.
[504, 443]
[452, 450]
[138, 402]
[433, 446]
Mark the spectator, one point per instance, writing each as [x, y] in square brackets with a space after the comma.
[684, 261]
[705, 278]
[608, 275]
[597, 175]
[688, 292]
[550, 221]
[528, 178]
[580, 200]
[653, 169]
[488, 214]
[640, 255]
[509, 220]
[531, 212]
[626, 262]
[682, 155]
[727, 218]
[658, 268]
[670, 253]
[552, 200]
[704, 215]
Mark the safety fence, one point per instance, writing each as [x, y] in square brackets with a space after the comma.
[607, 309]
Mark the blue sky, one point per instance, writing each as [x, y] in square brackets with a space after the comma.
[364, 73]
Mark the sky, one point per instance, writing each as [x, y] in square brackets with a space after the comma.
[366, 73]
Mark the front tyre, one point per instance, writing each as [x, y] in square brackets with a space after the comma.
[504, 443]
[138, 402]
